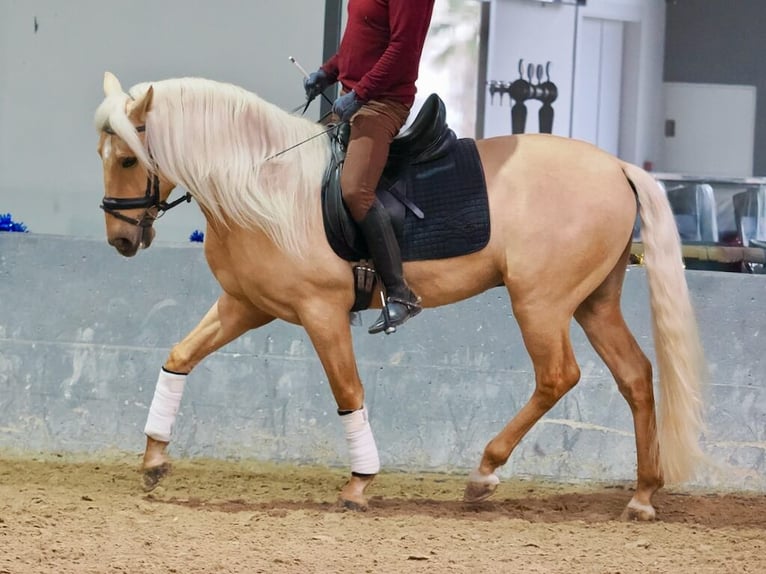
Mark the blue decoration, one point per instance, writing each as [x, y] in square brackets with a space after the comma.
[197, 236]
[7, 224]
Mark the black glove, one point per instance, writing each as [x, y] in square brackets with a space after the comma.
[316, 83]
[346, 106]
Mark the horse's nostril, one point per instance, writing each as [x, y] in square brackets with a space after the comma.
[123, 245]
[120, 243]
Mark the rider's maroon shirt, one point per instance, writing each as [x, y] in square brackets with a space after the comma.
[380, 51]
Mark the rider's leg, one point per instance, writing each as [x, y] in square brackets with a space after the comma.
[401, 301]
[372, 130]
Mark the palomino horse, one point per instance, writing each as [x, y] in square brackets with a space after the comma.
[562, 214]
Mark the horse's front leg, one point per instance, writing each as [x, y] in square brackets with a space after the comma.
[330, 333]
[226, 320]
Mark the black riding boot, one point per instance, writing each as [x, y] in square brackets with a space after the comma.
[401, 302]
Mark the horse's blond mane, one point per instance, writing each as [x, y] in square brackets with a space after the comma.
[214, 139]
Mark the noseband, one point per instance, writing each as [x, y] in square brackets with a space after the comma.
[150, 200]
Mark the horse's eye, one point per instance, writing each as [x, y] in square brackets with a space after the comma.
[129, 162]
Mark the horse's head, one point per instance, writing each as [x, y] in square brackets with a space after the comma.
[135, 192]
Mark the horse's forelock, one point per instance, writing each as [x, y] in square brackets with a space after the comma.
[111, 117]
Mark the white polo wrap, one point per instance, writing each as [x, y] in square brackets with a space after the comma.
[361, 443]
[165, 405]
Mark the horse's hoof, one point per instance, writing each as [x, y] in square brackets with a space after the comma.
[475, 492]
[151, 477]
[351, 496]
[480, 487]
[636, 511]
[353, 505]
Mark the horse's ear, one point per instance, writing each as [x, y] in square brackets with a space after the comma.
[140, 107]
[111, 84]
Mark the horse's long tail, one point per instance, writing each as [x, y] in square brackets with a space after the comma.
[680, 357]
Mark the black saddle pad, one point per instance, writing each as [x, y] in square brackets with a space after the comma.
[452, 194]
[449, 192]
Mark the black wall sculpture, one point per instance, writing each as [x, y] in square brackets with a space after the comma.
[521, 90]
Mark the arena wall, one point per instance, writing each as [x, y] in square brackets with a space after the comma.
[84, 331]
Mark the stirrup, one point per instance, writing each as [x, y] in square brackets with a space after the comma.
[396, 311]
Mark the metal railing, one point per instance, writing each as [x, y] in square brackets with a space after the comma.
[721, 221]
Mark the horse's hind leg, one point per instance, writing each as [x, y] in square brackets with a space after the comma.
[546, 337]
[601, 319]
[226, 320]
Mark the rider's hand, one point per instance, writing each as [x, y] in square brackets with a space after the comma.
[346, 106]
[315, 83]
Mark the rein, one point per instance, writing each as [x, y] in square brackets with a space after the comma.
[150, 200]
[323, 132]
[304, 107]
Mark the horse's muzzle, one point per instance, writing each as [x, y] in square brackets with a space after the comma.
[128, 246]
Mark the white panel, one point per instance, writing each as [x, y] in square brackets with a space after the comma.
[714, 129]
[598, 83]
[585, 100]
[643, 23]
[610, 86]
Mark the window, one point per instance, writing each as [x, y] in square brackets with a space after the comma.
[450, 63]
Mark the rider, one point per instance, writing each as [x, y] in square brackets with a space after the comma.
[377, 65]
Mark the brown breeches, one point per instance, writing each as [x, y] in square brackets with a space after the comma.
[372, 129]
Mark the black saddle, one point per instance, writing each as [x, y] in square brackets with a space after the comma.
[432, 186]
[427, 138]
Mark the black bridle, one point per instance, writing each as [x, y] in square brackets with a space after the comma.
[150, 200]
